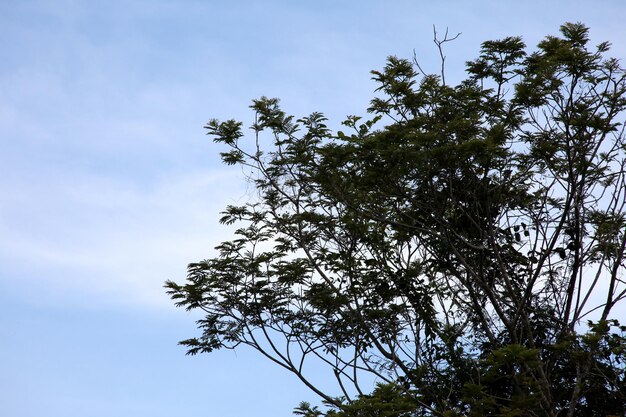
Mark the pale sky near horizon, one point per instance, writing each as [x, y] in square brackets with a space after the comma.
[108, 186]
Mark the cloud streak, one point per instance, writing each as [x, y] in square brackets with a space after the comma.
[102, 240]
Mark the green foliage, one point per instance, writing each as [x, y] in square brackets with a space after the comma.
[450, 247]
[387, 400]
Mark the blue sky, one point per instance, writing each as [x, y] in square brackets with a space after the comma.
[108, 186]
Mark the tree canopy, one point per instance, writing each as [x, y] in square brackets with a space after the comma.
[463, 248]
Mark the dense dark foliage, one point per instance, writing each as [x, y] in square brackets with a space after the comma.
[456, 255]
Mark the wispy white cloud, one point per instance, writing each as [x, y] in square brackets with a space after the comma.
[107, 241]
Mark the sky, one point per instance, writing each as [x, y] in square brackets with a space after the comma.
[109, 186]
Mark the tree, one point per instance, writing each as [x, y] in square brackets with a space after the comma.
[456, 255]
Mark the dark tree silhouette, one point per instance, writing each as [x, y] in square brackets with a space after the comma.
[468, 254]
